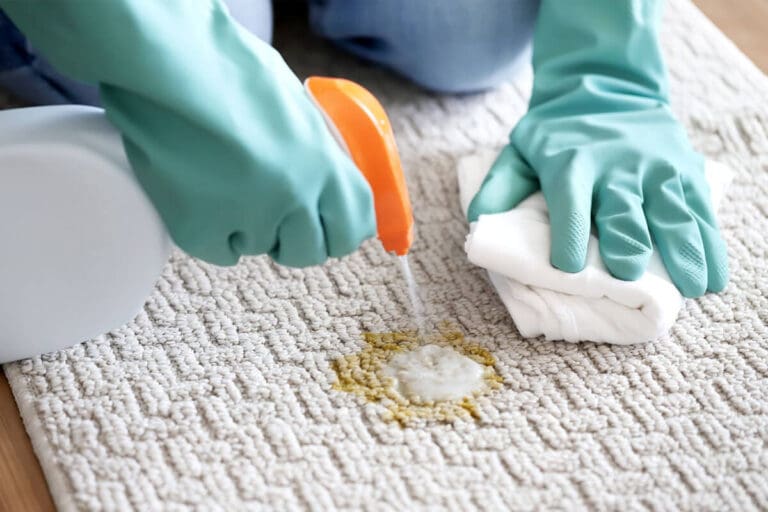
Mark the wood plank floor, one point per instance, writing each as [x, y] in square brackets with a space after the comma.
[745, 22]
[22, 486]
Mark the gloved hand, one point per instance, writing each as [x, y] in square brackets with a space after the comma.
[602, 143]
[219, 131]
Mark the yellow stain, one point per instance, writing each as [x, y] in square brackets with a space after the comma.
[360, 374]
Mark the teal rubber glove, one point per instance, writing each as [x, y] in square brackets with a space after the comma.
[601, 142]
[219, 131]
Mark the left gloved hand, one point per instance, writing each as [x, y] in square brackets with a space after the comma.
[219, 131]
[601, 142]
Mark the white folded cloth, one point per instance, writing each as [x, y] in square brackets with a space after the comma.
[591, 305]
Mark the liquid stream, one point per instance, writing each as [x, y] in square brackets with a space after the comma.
[417, 306]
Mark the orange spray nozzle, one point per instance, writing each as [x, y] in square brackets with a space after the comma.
[357, 118]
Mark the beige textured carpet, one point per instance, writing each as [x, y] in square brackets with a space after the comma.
[218, 396]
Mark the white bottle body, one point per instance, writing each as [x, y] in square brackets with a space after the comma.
[81, 246]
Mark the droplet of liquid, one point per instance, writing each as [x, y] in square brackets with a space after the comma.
[417, 306]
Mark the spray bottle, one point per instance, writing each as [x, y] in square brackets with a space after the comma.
[361, 127]
[102, 278]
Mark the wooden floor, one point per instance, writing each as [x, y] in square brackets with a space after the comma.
[745, 22]
[22, 486]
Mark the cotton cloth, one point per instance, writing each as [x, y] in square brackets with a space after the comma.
[590, 305]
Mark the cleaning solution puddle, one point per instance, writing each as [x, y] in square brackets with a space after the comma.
[435, 377]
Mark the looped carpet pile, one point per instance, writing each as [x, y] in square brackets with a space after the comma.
[219, 395]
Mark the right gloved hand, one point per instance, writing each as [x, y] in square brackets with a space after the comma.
[601, 142]
[219, 131]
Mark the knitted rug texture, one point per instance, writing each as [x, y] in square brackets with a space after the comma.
[219, 395]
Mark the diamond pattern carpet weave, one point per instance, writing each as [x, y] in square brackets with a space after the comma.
[219, 395]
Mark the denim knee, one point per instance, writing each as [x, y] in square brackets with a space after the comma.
[31, 78]
[446, 46]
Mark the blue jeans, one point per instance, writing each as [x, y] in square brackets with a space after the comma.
[443, 45]
[30, 77]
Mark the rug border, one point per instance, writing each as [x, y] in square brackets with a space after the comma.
[55, 478]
